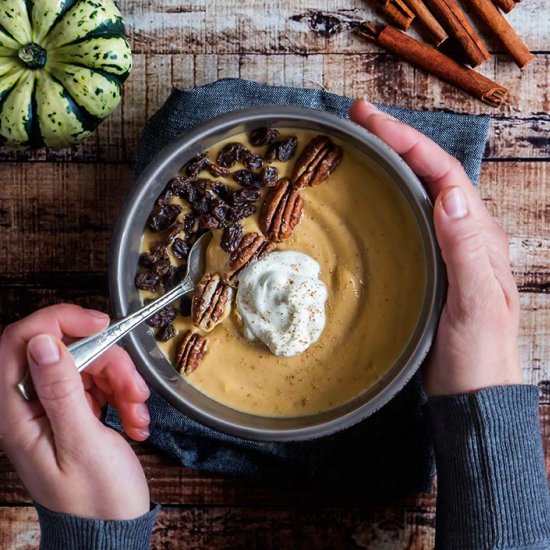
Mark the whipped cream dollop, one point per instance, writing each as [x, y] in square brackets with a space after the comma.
[281, 301]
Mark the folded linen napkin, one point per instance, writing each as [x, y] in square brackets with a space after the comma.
[388, 452]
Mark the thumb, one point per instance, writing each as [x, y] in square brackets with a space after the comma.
[460, 238]
[59, 388]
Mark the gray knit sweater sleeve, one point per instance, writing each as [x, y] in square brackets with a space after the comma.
[492, 485]
[66, 532]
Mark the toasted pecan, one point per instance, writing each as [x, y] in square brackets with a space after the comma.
[316, 163]
[211, 302]
[252, 247]
[190, 352]
[281, 211]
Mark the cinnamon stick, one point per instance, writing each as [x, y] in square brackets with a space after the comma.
[397, 12]
[429, 27]
[503, 31]
[506, 5]
[453, 20]
[428, 58]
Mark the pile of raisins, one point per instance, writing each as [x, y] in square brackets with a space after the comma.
[213, 205]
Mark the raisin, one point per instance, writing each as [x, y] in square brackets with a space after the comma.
[223, 192]
[189, 222]
[263, 136]
[147, 281]
[196, 164]
[244, 195]
[270, 175]
[162, 268]
[162, 318]
[164, 198]
[180, 248]
[241, 211]
[147, 260]
[201, 206]
[175, 230]
[208, 221]
[185, 306]
[171, 278]
[159, 249]
[272, 152]
[219, 209]
[282, 150]
[183, 188]
[203, 186]
[231, 237]
[218, 171]
[166, 333]
[230, 154]
[252, 161]
[287, 149]
[163, 217]
[247, 178]
[156, 254]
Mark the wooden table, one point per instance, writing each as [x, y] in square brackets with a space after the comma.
[57, 211]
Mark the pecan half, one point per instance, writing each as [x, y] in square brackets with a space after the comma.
[281, 211]
[252, 247]
[190, 352]
[317, 161]
[211, 302]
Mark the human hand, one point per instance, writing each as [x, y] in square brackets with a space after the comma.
[67, 459]
[476, 343]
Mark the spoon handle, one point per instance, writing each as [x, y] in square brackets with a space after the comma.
[88, 349]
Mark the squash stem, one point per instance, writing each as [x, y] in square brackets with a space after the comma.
[33, 55]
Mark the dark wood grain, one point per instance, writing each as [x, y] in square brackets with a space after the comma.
[263, 528]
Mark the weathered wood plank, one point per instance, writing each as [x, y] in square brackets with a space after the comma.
[238, 26]
[520, 129]
[171, 484]
[266, 528]
[57, 218]
[19, 528]
[516, 194]
[534, 340]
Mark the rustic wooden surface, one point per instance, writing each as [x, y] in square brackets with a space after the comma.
[57, 210]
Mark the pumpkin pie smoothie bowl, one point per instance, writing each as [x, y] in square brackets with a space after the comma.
[315, 288]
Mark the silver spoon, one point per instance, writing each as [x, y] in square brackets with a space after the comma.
[88, 349]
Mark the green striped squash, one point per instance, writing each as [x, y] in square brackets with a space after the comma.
[62, 64]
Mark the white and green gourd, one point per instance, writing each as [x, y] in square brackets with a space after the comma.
[62, 65]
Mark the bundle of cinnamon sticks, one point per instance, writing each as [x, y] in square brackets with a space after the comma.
[439, 21]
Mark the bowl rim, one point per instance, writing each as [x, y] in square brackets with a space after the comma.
[262, 114]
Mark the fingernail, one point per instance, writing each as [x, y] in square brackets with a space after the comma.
[143, 412]
[44, 350]
[140, 382]
[454, 203]
[367, 102]
[98, 314]
[144, 433]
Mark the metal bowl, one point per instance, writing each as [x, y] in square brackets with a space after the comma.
[156, 369]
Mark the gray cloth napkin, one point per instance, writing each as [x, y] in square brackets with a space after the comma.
[388, 452]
